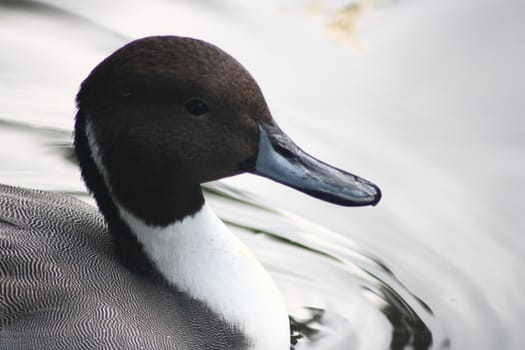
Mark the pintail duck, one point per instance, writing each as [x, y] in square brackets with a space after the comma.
[157, 270]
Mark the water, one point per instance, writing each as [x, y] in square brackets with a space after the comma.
[422, 97]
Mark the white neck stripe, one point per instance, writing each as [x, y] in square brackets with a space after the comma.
[95, 151]
[202, 258]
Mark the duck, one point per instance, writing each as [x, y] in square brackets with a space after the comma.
[154, 267]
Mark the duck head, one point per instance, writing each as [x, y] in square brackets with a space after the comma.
[164, 114]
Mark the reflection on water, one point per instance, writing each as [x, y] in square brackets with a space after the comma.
[342, 20]
[434, 265]
[407, 328]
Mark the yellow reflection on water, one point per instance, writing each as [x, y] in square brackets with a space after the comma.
[342, 21]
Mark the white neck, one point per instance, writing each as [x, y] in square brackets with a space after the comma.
[202, 258]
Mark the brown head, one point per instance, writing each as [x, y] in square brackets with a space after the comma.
[164, 114]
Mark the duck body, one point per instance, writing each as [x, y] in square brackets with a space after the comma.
[155, 269]
[63, 287]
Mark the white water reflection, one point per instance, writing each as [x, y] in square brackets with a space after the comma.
[428, 104]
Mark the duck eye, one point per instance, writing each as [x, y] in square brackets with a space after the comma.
[196, 107]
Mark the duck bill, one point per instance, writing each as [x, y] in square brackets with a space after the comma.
[281, 160]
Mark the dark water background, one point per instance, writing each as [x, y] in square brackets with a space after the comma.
[425, 98]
